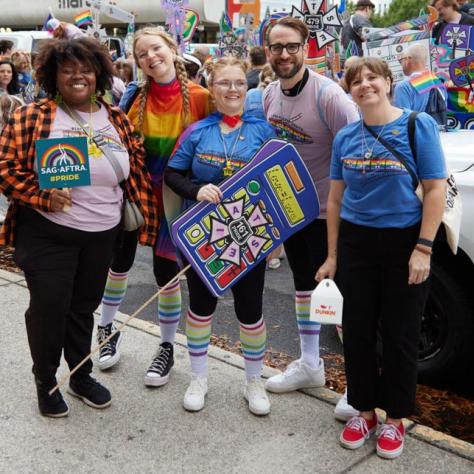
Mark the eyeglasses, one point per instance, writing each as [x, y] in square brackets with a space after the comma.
[229, 84]
[291, 48]
[400, 60]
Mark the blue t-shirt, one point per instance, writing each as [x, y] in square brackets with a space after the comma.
[254, 103]
[201, 148]
[407, 97]
[379, 191]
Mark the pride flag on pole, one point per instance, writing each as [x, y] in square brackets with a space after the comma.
[83, 19]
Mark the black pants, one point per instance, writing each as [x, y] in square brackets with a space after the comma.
[373, 279]
[307, 251]
[124, 255]
[247, 292]
[66, 270]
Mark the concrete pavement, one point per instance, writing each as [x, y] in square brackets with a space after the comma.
[147, 430]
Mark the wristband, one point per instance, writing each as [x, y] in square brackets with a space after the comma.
[425, 242]
[424, 250]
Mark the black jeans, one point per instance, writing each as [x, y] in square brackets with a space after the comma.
[307, 250]
[247, 292]
[66, 270]
[373, 279]
[124, 255]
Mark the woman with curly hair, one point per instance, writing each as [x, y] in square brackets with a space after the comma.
[160, 109]
[64, 239]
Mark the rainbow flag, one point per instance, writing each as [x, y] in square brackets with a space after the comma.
[83, 19]
[425, 82]
[458, 100]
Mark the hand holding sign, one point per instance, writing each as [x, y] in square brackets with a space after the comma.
[60, 200]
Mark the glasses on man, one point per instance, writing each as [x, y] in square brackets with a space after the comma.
[291, 48]
[402, 58]
[229, 84]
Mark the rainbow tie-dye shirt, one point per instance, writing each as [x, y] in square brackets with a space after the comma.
[163, 123]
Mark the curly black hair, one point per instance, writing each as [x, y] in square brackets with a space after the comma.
[13, 87]
[85, 50]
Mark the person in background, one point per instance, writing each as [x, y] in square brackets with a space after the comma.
[353, 29]
[21, 61]
[160, 109]
[466, 7]
[448, 13]
[307, 109]
[124, 69]
[8, 78]
[380, 238]
[8, 104]
[64, 238]
[207, 153]
[193, 66]
[258, 60]
[414, 62]
[254, 98]
[6, 49]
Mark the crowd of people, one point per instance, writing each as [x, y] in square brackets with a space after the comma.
[187, 125]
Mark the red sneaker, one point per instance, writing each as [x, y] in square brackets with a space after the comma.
[390, 441]
[357, 431]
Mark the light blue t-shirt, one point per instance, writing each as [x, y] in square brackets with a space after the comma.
[201, 148]
[254, 103]
[379, 191]
[407, 97]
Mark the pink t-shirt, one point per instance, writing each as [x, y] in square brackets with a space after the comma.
[298, 120]
[96, 207]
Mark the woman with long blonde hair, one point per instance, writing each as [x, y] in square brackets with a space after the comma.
[160, 108]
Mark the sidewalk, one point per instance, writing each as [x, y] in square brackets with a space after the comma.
[147, 430]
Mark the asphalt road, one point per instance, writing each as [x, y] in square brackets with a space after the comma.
[278, 307]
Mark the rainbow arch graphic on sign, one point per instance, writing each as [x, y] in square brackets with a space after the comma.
[62, 154]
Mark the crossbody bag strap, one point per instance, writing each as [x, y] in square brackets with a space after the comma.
[395, 153]
[98, 140]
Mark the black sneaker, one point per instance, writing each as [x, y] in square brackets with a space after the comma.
[159, 371]
[90, 391]
[109, 355]
[53, 405]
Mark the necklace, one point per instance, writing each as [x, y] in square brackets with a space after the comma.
[284, 133]
[370, 151]
[92, 149]
[228, 169]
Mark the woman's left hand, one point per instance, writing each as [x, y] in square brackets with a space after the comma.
[418, 267]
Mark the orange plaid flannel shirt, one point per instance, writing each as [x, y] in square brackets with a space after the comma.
[19, 182]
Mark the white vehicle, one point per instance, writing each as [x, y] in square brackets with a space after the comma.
[447, 331]
[26, 40]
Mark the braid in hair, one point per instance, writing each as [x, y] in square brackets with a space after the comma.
[144, 88]
[182, 77]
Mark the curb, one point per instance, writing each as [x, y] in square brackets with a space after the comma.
[417, 431]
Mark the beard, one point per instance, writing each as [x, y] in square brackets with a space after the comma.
[285, 73]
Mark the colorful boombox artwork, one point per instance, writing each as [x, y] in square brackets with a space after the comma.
[263, 204]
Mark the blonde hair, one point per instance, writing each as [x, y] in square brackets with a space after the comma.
[222, 63]
[8, 104]
[266, 76]
[181, 75]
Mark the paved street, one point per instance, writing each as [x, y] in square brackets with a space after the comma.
[278, 307]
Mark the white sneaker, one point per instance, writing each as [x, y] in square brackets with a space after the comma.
[344, 411]
[297, 375]
[195, 394]
[255, 394]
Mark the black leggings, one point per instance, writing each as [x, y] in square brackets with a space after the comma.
[247, 292]
[124, 256]
[373, 278]
[307, 251]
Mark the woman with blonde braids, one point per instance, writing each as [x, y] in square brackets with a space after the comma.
[160, 109]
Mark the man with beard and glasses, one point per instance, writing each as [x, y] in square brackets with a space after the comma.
[307, 109]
